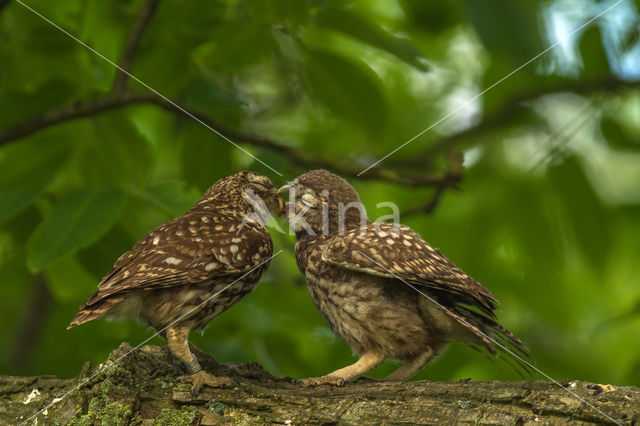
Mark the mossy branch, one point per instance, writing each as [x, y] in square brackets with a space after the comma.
[143, 388]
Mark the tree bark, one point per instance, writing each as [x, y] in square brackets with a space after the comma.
[143, 388]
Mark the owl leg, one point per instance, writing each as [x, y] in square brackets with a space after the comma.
[177, 338]
[202, 356]
[411, 367]
[367, 362]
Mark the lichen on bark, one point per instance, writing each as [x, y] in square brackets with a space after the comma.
[143, 388]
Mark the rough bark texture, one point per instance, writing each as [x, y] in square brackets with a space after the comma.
[143, 388]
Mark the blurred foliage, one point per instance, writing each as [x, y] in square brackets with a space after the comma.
[547, 216]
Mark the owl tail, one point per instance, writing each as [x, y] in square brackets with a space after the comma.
[494, 338]
[498, 341]
[94, 310]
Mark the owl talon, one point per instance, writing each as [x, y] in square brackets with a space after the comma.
[324, 380]
[202, 378]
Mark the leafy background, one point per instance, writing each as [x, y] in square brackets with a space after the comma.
[543, 209]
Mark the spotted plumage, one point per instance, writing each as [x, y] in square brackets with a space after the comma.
[183, 273]
[380, 287]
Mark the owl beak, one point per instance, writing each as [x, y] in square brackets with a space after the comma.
[284, 188]
[280, 206]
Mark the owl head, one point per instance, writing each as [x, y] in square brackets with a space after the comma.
[321, 203]
[245, 192]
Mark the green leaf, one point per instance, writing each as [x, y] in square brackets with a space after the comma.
[68, 280]
[255, 41]
[206, 156]
[288, 12]
[587, 216]
[205, 93]
[75, 222]
[594, 58]
[117, 152]
[171, 196]
[434, 16]
[508, 28]
[349, 22]
[27, 169]
[617, 136]
[348, 88]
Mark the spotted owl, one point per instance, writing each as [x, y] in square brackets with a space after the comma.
[184, 273]
[381, 288]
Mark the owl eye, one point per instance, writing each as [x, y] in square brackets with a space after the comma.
[261, 184]
[308, 200]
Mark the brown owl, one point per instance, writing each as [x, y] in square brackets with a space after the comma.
[380, 287]
[185, 272]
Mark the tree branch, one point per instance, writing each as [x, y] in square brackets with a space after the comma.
[144, 388]
[131, 46]
[3, 4]
[68, 113]
[296, 156]
[513, 107]
[305, 160]
[32, 322]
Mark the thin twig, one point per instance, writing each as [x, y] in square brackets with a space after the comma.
[452, 178]
[131, 46]
[429, 206]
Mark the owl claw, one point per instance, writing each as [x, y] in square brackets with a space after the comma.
[324, 380]
[202, 378]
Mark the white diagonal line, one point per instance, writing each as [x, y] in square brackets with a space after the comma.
[468, 101]
[86, 380]
[133, 77]
[497, 343]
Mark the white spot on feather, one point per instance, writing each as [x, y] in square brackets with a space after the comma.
[233, 248]
[156, 240]
[173, 261]
[211, 266]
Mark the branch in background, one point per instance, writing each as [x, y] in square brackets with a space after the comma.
[3, 4]
[296, 156]
[303, 159]
[513, 107]
[452, 177]
[131, 46]
[68, 113]
[32, 323]
[427, 207]
[299, 157]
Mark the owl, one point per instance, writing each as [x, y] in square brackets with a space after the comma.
[182, 274]
[381, 288]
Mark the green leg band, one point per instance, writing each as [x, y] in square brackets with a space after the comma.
[193, 366]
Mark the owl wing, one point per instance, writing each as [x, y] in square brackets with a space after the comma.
[398, 253]
[192, 248]
[395, 251]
